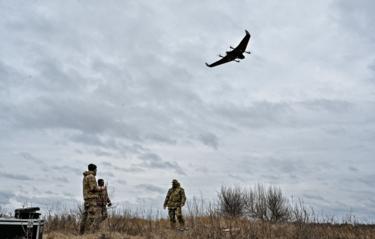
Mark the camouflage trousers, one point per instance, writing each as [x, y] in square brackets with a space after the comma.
[173, 213]
[103, 212]
[90, 217]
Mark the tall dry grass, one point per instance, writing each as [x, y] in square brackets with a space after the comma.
[212, 226]
[255, 213]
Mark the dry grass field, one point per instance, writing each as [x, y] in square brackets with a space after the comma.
[211, 226]
[255, 213]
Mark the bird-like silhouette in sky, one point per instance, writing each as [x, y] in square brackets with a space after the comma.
[235, 54]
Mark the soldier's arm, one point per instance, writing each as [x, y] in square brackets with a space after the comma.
[106, 193]
[183, 197]
[167, 198]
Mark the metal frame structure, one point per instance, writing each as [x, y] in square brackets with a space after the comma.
[22, 228]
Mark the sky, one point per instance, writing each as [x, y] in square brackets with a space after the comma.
[123, 84]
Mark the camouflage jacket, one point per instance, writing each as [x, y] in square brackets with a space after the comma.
[90, 187]
[175, 198]
[103, 198]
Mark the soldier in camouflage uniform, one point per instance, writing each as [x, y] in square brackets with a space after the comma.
[103, 200]
[90, 217]
[175, 200]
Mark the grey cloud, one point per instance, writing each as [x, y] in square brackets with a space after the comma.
[271, 178]
[49, 192]
[66, 169]
[150, 202]
[314, 197]
[260, 114]
[209, 139]
[30, 157]
[150, 188]
[20, 177]
[76, 84]
[154, 161]
[107, 143]
[287, 166]
[5, 197]
[68, 194]
[107, 164]
[122, 181]
[76, 114]
[354, 169]
[237, 177]
[61, 179]
[162, 139]
[102, 153]
[49, 204]
[372, 67]
[201, 169]
[310, 113]
[107, 174]
[367, 179]
[276, 166]
[358, 16]
[10, 78]
[130, 169]
[332, 106]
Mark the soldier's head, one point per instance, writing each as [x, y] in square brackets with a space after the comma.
[101, 182]
[175, 183]
[92, 167]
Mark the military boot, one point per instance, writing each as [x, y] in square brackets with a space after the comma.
[173, 225]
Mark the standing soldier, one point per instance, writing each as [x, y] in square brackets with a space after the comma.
[175, 200]
[90, 216]
[103, 200]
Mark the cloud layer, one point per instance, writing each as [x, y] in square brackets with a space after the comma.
[123, 85]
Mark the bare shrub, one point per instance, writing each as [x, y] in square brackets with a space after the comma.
[267, 204]
[231, 201]
[5, 212]
[300, 214]
[277, 205]
[257, 207]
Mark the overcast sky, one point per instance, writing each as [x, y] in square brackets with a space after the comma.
[123, 84]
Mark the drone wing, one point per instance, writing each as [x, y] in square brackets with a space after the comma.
[243, 44]
[223, 60]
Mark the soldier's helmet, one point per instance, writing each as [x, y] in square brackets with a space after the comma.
[175, 182]
[101, 182]
[91, 167]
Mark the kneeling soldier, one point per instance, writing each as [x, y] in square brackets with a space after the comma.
[175, 200]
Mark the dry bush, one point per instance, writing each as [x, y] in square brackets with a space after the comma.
[5, 212]
[277, 205]
[267, 204]
[231, 201]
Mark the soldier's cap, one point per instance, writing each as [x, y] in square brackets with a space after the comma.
[100, 180]
[91, 167]
[174, 181]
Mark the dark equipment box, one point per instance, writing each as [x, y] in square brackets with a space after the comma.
[25, 225]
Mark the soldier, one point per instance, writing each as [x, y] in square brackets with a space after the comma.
[103, 200]
[90, 216]
[175, 200]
